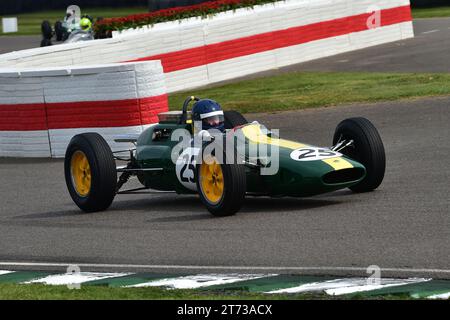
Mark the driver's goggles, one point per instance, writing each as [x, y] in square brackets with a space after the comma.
[214, 120]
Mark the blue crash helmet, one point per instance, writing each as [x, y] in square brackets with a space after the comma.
[209, 113]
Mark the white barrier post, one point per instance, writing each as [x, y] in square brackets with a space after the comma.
[10, 25]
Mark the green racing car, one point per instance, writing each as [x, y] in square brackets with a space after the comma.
[238, 160]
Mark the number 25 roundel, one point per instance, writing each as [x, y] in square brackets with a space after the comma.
[185, 168]
[313, 154]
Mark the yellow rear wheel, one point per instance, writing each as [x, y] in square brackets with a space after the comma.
[81, 173]
[90, 172]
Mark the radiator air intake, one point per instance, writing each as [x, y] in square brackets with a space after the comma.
[343, 176]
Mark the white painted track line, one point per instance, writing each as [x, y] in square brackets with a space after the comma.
[2, 272]
[76, 278]
[431, 31]
[443, 296]
[201, 280]
[231, 268]
[346, 286]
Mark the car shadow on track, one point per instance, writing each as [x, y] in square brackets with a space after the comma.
[178, 206]
[251, 204]
[254, 206]
[51, 214]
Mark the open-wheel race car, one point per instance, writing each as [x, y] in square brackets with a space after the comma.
[224, 173]
[73, 28]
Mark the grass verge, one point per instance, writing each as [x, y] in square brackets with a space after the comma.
[30, 23]
[300, 90]
[43, 292]
[438, 12]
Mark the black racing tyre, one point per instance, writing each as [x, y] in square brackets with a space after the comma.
[65, 35]
[90, 172]
[46, 43]
[234, 119]
[221, 187]
[59, 31]
[47, 31]
[368, 150]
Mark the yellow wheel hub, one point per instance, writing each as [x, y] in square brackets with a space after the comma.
[211, 181]
[81, 173]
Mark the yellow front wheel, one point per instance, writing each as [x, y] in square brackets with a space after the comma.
[212, 184]
[90, 172]
[221, 186]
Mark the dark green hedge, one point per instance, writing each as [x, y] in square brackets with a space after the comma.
[105, 27]
[430, 3]
[22, 6]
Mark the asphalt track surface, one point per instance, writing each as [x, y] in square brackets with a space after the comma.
[403, 227]
[12, 43]
[405, 224]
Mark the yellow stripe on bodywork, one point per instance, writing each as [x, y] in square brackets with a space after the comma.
[338, 163]
[254, 134]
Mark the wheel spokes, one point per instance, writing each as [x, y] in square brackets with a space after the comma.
[217, 169]
[220, 187]
[211, 169]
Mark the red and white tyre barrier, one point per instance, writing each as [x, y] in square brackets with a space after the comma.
[42, 109]
[197, 51]
[273, 36]
[23, 124]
